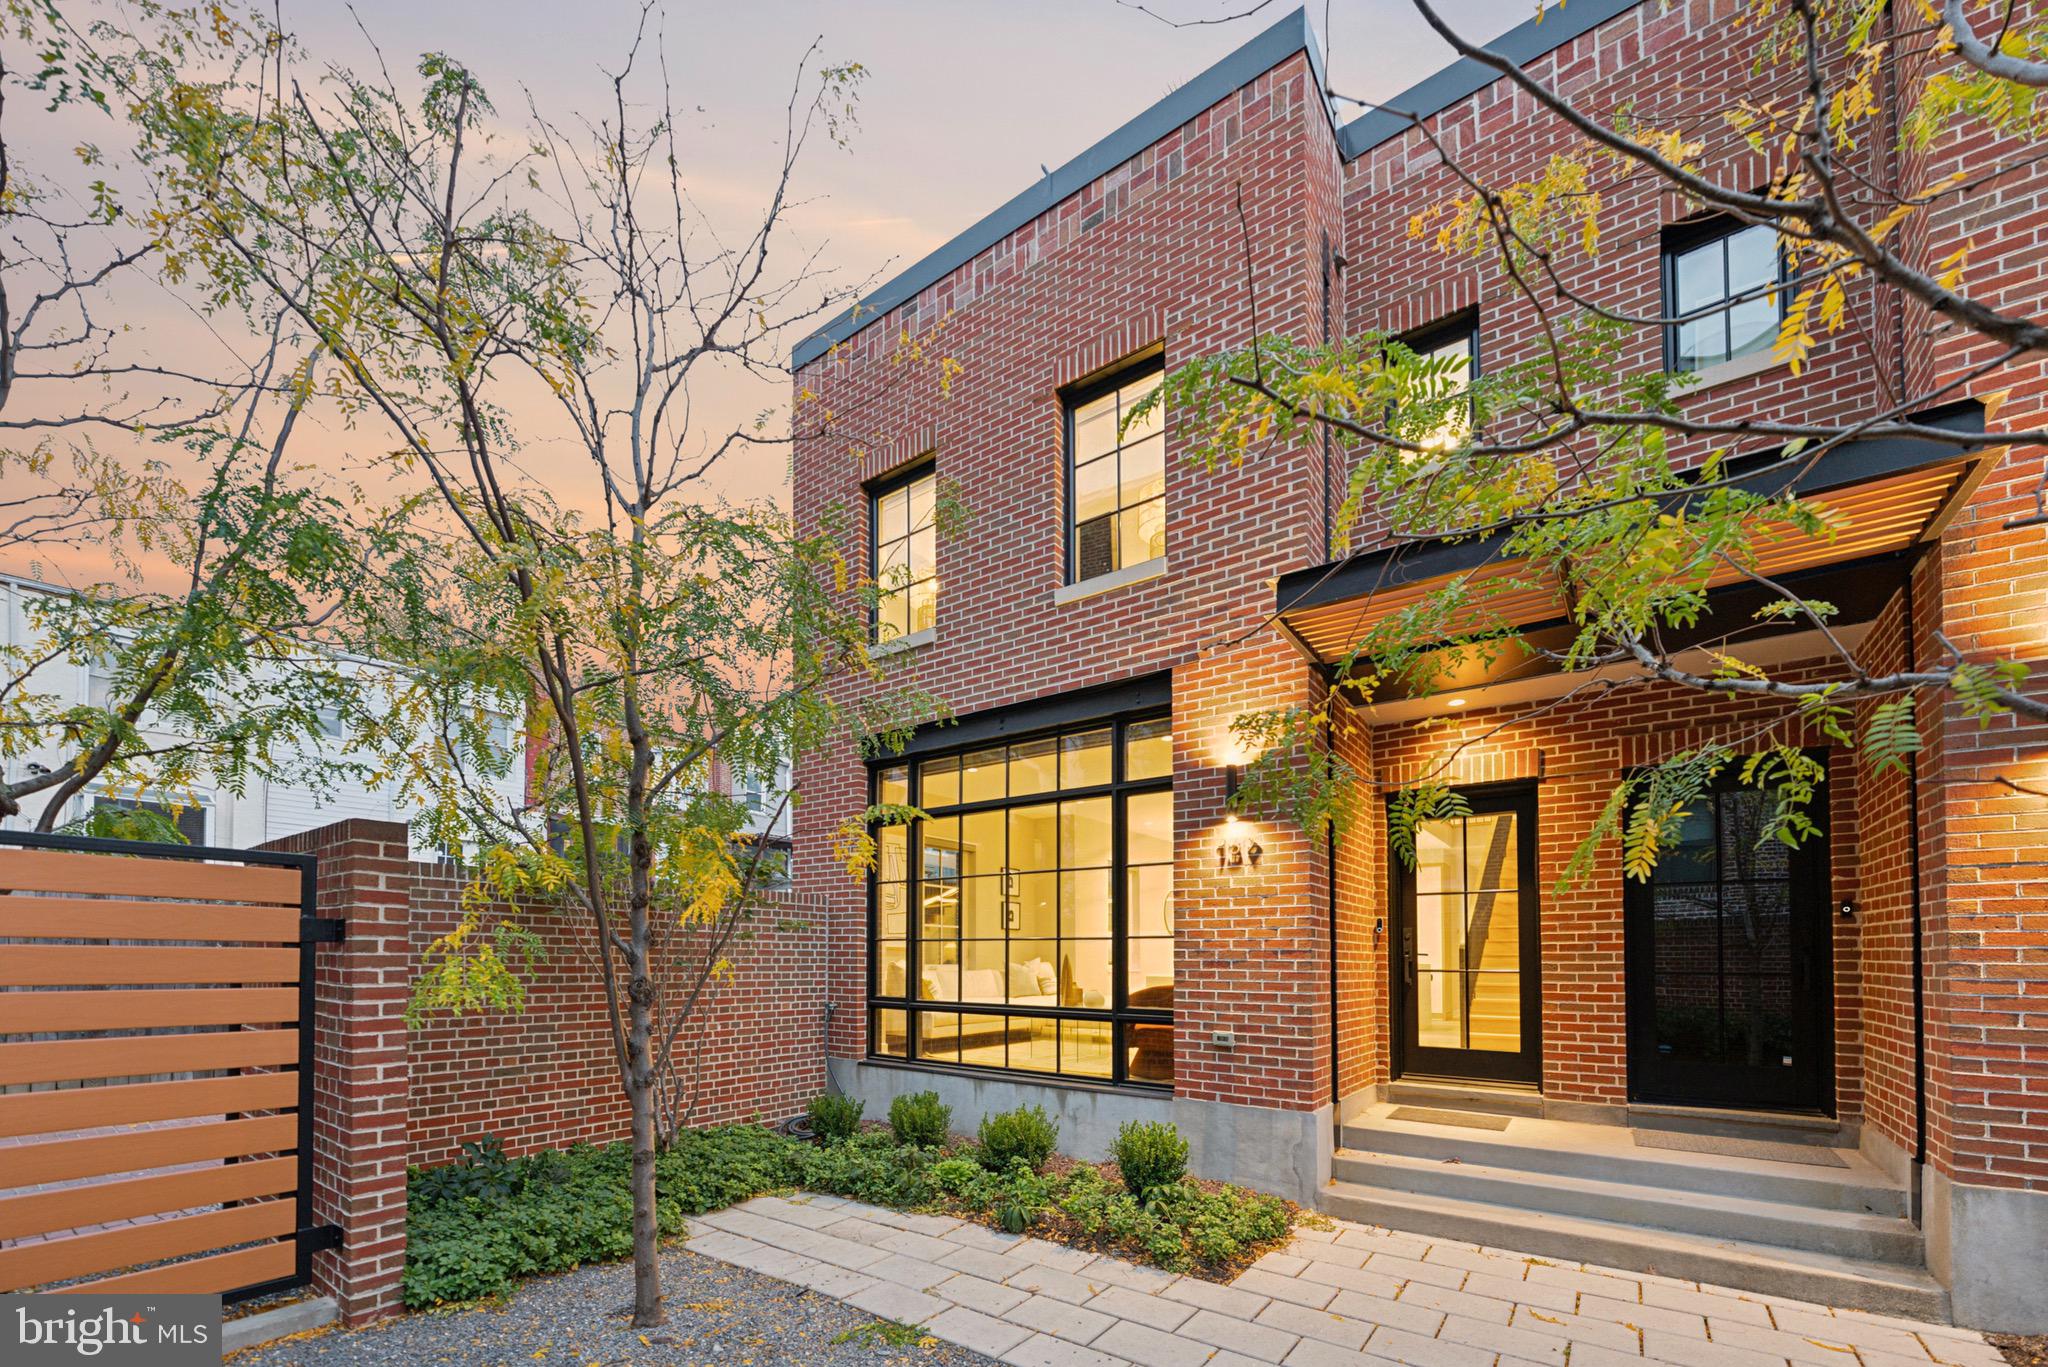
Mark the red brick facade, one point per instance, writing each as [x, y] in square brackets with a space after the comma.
[1153, 254]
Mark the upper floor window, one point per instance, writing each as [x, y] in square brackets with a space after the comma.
[905, 553]
[1720, 280]
[1453, 348]
[1116, 474]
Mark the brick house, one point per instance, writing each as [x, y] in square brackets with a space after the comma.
[1845, 1101]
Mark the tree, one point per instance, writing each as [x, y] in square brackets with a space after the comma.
[239, 577]
[1572, 470]
[236, 668]
[641, 626]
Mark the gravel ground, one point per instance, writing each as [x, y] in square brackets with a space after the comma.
[717, 1313]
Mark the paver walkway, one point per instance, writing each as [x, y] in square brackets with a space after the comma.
[1349, 1296]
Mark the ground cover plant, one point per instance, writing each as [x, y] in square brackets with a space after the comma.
[477, 1226]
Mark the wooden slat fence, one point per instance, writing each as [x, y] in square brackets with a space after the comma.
[155, 1067]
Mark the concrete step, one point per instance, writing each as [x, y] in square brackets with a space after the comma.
[1781, 1224]
[1794, 1274]
[1456, 1097]
[1606, 1153]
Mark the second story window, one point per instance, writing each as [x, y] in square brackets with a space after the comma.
[1453, 350]
[1720, 277]
[905, 549]
[1116, 499]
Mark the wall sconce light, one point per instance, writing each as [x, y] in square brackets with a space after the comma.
[1233, 774]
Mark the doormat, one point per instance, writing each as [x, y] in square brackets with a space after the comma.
[1814, 1155]
[1430, 1115]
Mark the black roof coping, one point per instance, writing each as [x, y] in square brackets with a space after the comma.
[1557, 25]
[1275, 45]
[1553, 27]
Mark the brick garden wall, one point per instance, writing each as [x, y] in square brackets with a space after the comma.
[546, 1077]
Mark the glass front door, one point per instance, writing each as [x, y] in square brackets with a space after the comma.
[1728, 964]
[1465, 963]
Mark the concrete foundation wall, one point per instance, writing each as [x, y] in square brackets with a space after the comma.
[1283, 1152]
[1987, 1245]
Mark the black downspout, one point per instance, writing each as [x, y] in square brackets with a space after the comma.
[1336, 1084]
[1919, 935]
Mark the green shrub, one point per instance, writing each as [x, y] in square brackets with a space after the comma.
[1026, 1133]
[834, 1118]
[920, 1118]
[1149, 1154]
[871, 1166]
[477, 1226]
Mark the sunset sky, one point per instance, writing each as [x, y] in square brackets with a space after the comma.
[964, 101]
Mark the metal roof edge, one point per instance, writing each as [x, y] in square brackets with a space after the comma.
[1552, 28]
[1278, 42]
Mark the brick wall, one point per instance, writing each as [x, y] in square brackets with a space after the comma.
[386, 1097]
[360, 1062]
[1076, 290]
[545, 1077]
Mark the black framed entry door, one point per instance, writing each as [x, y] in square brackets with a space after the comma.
[1729, 964]
[1467, 984]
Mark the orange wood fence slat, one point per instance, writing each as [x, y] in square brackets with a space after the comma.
[111, 875]
[221, 1272]
[97, 965]
[64, 1160]
[145, 1055]
[24, 1013]
[188, 1193]
[50, 1260]
[83, 1108]
[85, 918]
[99, 1203]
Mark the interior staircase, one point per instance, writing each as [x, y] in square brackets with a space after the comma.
[1837, 1235]
[1496, 1001]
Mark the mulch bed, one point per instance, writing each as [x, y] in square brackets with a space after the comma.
[2022, 1350]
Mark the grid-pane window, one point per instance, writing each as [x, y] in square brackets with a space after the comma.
[1026, 922]
[1723, 287]
[1117, 477]
[906, 560]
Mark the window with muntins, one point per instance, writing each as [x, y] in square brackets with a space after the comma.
[905, 554]
[1116, 475]
[1720, 277]
[1026, 923]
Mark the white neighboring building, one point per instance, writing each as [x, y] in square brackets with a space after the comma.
[265, 811]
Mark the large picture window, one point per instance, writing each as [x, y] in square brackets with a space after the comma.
[906, 554]
[1116, 475]
[1026, 923]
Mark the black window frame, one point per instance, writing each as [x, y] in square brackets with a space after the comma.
[1686, 237]
[925, 467]
[1075, 397]
[1119, 1014]
[1463, 324]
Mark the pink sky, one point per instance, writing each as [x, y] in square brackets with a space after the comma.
[964, 101]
